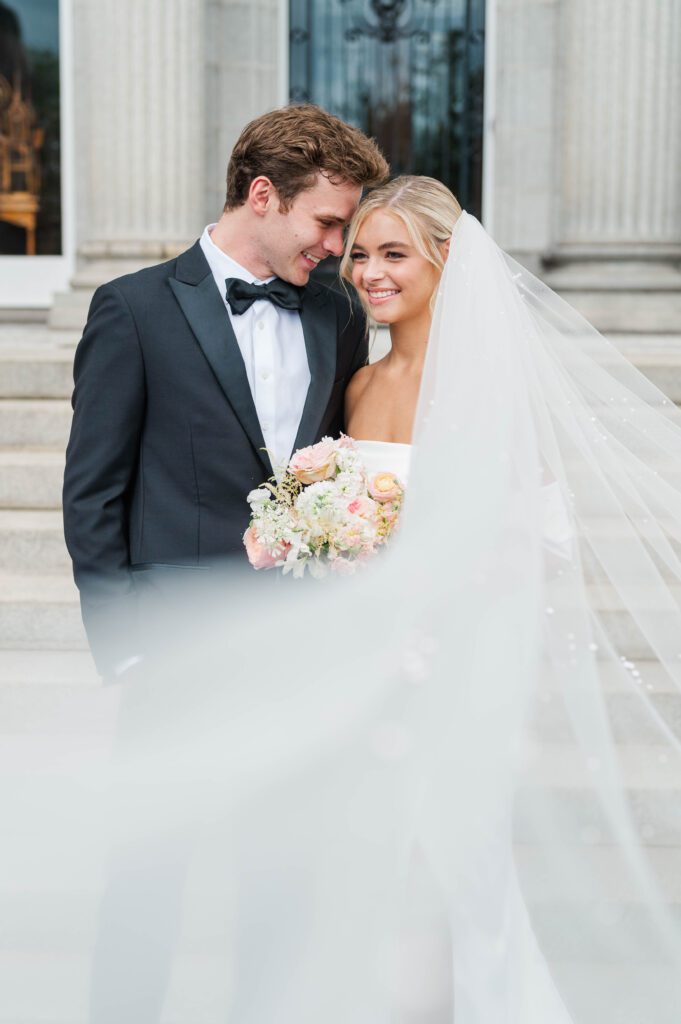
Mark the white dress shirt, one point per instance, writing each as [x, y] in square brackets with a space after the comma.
[273, 349]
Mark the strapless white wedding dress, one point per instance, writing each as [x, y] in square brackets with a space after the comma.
[386, 457]
[391, 457]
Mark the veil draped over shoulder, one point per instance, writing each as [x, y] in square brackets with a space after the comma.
[443, 790]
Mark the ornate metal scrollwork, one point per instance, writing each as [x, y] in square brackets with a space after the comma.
[408, 72]
[387, 22]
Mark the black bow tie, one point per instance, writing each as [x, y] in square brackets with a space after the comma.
[241, 295]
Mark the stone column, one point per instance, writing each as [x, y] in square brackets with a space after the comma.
[617, 227]
[242, 78]
[525, 48]
[140, 125]
[162, 90]
[619, 140]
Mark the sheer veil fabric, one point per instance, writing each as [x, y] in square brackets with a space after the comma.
[443, 790]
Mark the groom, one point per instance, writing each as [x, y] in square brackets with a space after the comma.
[194, 379]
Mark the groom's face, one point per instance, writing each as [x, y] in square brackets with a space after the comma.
[295, 241]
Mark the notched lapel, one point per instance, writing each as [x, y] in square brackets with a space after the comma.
[318, 318]
[205, 312]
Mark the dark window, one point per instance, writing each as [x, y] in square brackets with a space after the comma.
[408, 72]
[30, 177]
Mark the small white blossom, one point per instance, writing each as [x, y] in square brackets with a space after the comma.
[258, 496]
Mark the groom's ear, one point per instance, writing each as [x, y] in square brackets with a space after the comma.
[445, 248]
[262, 195]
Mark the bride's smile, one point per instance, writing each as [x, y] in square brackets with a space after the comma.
[392, 277]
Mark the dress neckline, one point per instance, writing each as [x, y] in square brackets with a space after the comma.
[390, 444]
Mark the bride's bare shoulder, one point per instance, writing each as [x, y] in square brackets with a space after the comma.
[358, 384]
[356, 388]
[359, 381]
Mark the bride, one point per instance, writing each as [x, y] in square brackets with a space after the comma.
[395, 254]
[443, 790]
[558, 458]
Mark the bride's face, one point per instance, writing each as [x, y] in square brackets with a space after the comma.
[392, 277]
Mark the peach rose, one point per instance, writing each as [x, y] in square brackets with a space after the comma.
[258, 555]
[384, 487]
[318, 462]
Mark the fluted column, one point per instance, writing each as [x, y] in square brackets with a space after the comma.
[243, 78]
[140, 87]
[619, 145]
[523, 61]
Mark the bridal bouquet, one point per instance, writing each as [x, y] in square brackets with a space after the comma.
[325, 514]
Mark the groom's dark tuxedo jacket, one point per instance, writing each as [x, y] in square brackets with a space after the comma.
[165, 442]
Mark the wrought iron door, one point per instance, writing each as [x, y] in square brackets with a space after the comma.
[408, 72]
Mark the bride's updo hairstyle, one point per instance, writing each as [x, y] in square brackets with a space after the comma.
[425, 206]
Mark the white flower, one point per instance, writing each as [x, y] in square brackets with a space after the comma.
[349, 460]
[258, 496]
[350, 484]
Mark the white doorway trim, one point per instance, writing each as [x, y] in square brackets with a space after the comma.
[489, 115]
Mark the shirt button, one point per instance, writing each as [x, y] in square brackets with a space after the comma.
[261, 325]
[265, 427]
[265, 374]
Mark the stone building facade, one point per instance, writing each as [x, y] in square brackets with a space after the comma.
[582, 157]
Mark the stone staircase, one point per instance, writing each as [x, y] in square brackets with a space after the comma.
[41, 636]
[51, 701]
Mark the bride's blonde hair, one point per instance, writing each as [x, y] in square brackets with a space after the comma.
[426, 207]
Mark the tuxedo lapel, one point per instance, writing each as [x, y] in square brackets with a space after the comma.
[319, 330]
[204, 309]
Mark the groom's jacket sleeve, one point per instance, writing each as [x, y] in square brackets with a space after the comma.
[101, 461]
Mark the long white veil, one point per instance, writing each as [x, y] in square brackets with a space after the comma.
[444, 790]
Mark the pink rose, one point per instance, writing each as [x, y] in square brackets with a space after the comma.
[318, 462]
[346, 442]
[385, 487]
[361, 506]
[259, 556]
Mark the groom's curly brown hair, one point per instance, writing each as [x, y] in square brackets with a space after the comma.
[290, 146]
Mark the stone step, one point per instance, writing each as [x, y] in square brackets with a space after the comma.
[70, 309]
[31, 478]
[658, 358]
[597, 933]
[45, 372]
[59, 927]
[641, 766]
[603, 274]
[624, 635]
[607, 877]
[51, 985]
[630, 719]
[46, 694]
[45, 422]
[596, 993]
[40, 612]
[58, 709]
[32, 542]
[622, 296]
[561, 781]
[613, 993]
[645, 311]
[27, 668]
